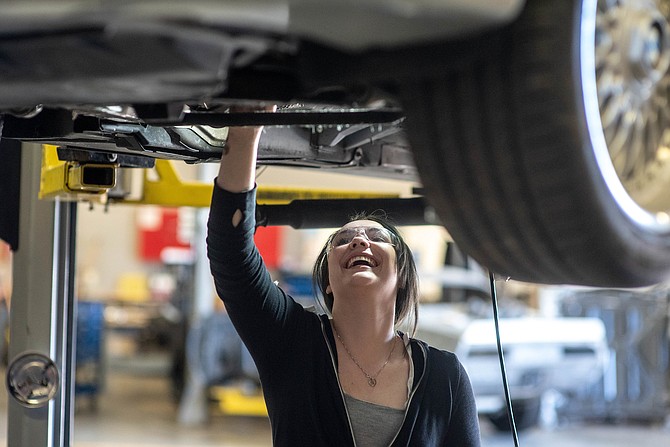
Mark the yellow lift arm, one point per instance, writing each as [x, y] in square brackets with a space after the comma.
[170, 190]
[75, 181]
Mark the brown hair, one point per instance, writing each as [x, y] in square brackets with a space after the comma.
[407, 299]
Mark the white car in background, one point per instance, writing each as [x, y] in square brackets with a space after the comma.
[538, 129]
[564, 355]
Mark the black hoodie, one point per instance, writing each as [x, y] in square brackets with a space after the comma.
[294, 351]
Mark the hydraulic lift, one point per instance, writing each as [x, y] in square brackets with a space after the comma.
[39, 379]
[38, 195]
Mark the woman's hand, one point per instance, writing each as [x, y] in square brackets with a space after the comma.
[237, 172]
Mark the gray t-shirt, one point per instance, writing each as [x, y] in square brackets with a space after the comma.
[374, 425]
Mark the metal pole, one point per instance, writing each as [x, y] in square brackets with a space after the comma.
[66, 317]
[40, 373]
[193, 406]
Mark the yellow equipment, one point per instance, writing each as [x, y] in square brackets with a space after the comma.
[73, 180]
[163, 186]
[234, 400]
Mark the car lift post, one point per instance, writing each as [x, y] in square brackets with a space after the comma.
[40, 374]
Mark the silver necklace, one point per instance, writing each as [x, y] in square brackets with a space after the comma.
[372, 379]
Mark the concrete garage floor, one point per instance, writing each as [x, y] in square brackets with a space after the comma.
[583, 436]
[136, 409]
[139, 411]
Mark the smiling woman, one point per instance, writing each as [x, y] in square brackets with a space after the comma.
[383, 232]
[369, 383]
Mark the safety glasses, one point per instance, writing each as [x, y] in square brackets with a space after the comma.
[372, 234]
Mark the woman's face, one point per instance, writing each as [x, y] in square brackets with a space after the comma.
[361, 255]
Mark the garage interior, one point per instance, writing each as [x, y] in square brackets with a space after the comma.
[537, 129]
[139, 323]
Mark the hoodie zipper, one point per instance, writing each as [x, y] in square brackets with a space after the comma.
[411, 395]
[346, 410]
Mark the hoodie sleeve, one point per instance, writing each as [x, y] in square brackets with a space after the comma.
[464, 426]
[262, 313]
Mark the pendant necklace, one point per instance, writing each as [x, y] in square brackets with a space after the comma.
[372, 379]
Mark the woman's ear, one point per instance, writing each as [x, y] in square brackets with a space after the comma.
[328, 289]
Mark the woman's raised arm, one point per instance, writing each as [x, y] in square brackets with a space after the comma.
[238, 160]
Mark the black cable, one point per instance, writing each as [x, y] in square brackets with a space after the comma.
[501, 357]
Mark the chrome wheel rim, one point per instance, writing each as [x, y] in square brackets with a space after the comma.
[631, 80]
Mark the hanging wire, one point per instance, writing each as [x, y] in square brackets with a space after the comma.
[501, 357]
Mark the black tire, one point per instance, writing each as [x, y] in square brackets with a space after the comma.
[504, 150]
[526, 415]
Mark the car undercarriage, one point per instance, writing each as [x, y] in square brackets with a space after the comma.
[540, 146]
